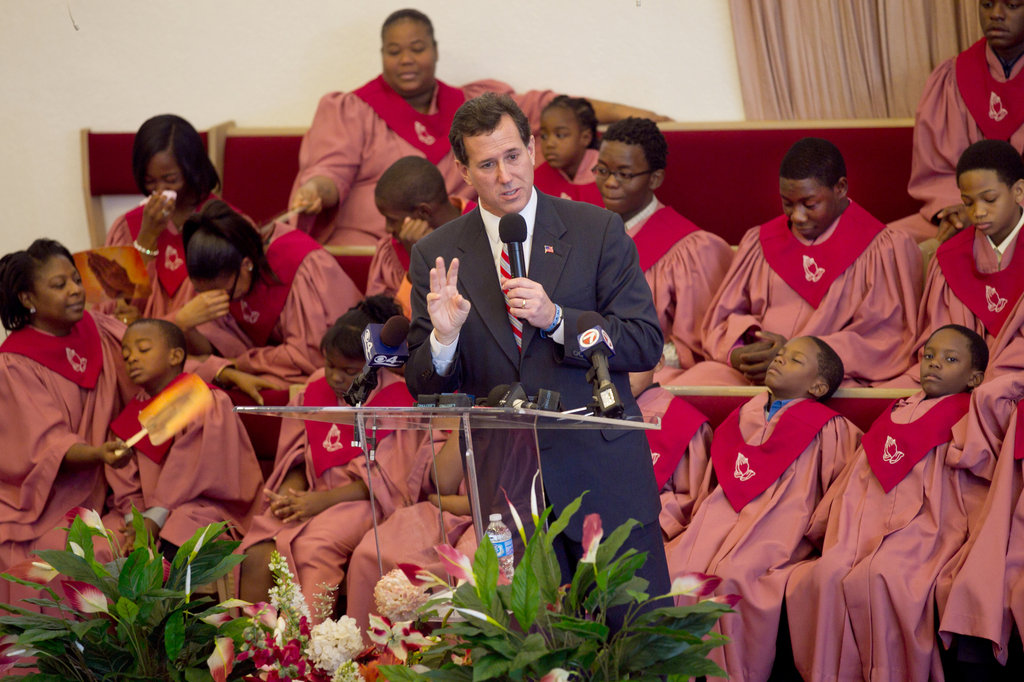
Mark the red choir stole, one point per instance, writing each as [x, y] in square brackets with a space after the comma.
[679, 424]
[170, 258]
[78, 357]
[811, 270]
[331, 444]
[1018, 444]
[893, 449]
[659, 234]
[745, 471]
[552, 181]
[403, 255]
[997, 107]
[258, 311]
[991, 296]
[427, 132]
[127, 425]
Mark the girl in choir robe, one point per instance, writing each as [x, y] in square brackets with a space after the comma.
[772, 461]
[568, 142]
[889, 528]
[278, 298]
[356, 135]
[62, 378]
[683, 264]
[679, 450]
[318, 494]
[171, 167]
[825, 268]
[205, 474]
[976, 278]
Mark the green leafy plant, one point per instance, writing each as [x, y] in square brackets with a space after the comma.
[539, 627]
[132, 618]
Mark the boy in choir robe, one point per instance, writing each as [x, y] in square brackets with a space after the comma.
[205, 474]
[411, 196]
[889, 528]
[683, 265]
[679, 451]
[773, 459]
[975, 95]
[977, 277]
[825, 268]
[318, 497]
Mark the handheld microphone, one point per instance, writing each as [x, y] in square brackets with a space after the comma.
[512, 231]
[383, 346]
[514, 395]
[596, 345]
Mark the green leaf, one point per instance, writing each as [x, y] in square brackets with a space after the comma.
[174, 634]
[401, 673]
[562, 522]
[485, 572]
[532, 649]
[127, 609]
[70, 565]
[611, 545]
[525, 594]
[582, 626]
[489, 667]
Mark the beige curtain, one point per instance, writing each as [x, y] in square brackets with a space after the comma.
[834, 59]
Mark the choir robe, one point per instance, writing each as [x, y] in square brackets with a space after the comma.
[580, 187]
[873, 588]
[408, 535]
[44, 415]
[319, 547]
[755, 550]
[319, 293]
[986, 597]
[941, 306]
[684, 279]
[687, 482]
[868, 315]
[349, 143]
[208, 474]
[943, 129]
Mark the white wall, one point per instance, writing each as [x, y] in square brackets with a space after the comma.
[266, 62]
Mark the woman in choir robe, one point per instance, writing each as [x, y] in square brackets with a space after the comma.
[63, 382]
[276, 299]
[568, 143]
[318, 505]
[356, 135]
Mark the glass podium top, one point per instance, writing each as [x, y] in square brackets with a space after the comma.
[429, 418]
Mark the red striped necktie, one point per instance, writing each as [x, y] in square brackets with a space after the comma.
[517, 324]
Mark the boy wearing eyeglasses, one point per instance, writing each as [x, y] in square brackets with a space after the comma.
[683, 264]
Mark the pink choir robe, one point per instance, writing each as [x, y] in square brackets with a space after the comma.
[940, 306]
[408, 535]
[865, 609]
[943, 129]
[45, 414]
[684, 275]
[352, 145]
[205, 474]
[319, 547]
[580, 187]
[685, 440]
[755, 550]
[318, 294]
[986, 597]
[868, 315]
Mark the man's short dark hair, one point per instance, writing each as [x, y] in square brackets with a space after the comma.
[644, 133]
[994, 155]
[813, 157]
[480, 116]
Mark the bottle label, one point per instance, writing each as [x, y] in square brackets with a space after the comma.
[502, 548]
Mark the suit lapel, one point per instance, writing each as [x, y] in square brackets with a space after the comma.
[478, 281]
[548, 254]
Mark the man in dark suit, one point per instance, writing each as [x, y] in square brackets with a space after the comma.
[578, 258]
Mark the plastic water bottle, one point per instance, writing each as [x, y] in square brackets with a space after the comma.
[501, 538]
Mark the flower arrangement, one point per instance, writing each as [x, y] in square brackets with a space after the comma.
[537, 627]
[135, 617]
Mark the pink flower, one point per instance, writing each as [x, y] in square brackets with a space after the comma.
[592, 534]
[222, 660]
[401, 638]
[10, 653]
[729, 600]
[84, 597]
[262, 612]
[35, 571]
[167, 569]
[412, 572]
[694, 584]
[90, 516]
[457, 564]
[557, 675]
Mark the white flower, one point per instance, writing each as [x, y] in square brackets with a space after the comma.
[334, 643]
[286, 596]
[398, 599]
[348, 672]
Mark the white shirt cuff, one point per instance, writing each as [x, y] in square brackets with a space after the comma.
[157, 515]
[442, 355]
